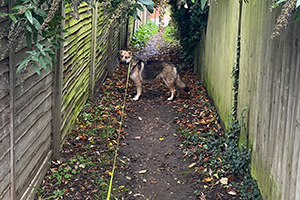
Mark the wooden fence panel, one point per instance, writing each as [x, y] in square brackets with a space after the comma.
[5, 153]
[102, 46]
[269, 86]
[4, 128]
[30, 100]
[77, 56]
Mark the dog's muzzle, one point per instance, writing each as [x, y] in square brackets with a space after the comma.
[124, 62]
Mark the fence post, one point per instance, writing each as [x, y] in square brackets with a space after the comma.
[12, 83]
[110, 47]
[57, 94]
[93, 51]
[126, 32]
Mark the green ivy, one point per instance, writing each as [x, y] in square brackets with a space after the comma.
[190, 18]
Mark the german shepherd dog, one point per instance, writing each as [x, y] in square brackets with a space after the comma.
[143, 72]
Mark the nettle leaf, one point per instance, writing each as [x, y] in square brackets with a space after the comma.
[48, 61]
[41, 13]
[17, 7]
[147, 2]
[29, 28]
[36, 24]
[139, 6]
[12, 17]
[28, 15]
[36, 57]
[150, 8]
[36, 68]
[23, 63]
[42, 62]
[49, 51]
[53, 58]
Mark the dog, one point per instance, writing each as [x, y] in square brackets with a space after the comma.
[143, 72]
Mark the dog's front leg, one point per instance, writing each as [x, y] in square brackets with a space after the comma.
[138, 90]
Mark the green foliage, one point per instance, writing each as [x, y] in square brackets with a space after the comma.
[190, 18]
[169, 34]
[143, 34]
[41, 37]
[41, 23]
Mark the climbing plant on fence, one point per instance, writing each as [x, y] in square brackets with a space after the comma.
[40, 20]
[190, 18]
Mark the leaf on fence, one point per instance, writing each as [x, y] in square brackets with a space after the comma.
[28, 15]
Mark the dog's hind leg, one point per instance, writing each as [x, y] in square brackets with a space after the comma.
[173, 90]
[138, 90]
[172, 87]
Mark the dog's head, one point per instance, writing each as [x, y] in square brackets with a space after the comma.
[125, 57]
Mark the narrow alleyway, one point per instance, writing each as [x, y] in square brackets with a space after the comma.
[157, 157]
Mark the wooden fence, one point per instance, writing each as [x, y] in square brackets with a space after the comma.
[269, 86]
[37, 111]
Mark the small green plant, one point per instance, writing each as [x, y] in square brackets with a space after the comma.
[169, 34]
[39, 192]
[143, 34]
[57, 194]
[63, 172]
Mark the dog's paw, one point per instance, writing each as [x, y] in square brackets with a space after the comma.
[136, 98]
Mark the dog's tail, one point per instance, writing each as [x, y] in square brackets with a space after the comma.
[180, 84]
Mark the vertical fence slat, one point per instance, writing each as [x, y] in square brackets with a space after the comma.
[12, 82]
[110, 48]
[57, 95]
[93, 53]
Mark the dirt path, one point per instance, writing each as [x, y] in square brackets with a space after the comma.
[155, 161]
[155, 167]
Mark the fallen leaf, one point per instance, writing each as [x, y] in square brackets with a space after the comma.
[160, 139]
[137, 137]
[208, 179]
[192, 165]
[142, 171]
[153, 182]
[205, 159]
[202, 197]
[233, 193]
[224, 181]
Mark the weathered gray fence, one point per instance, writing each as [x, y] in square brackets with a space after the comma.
[36, 112]
[269, 86]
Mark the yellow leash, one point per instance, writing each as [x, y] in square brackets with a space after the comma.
[118, 139]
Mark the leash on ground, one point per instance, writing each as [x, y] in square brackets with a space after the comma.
[119, 134]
